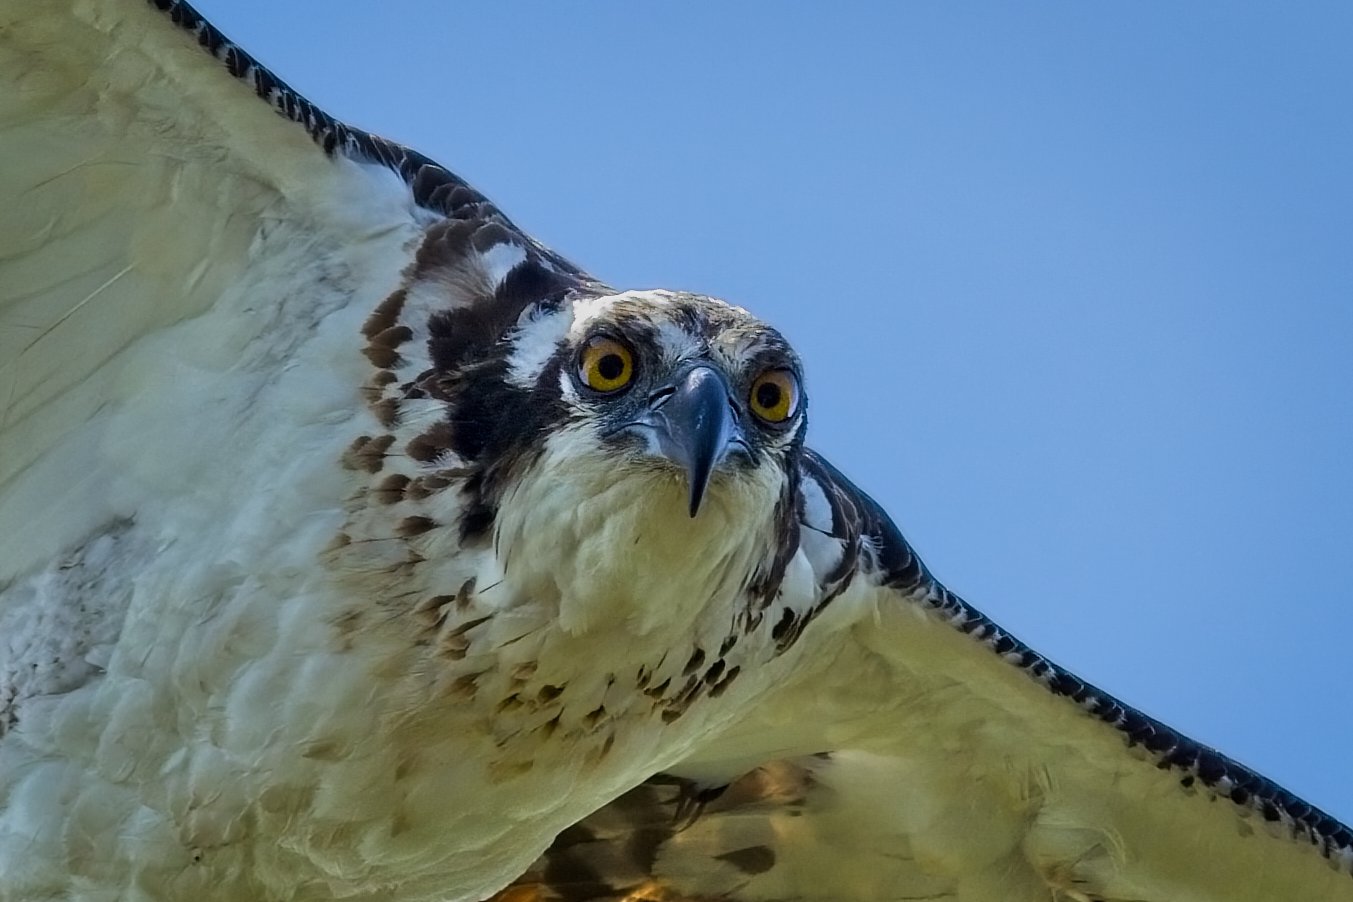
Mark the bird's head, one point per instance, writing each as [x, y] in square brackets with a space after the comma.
[683, 386]
[651, 431]
[674, 389]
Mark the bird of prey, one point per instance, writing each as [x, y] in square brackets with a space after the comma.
[357, 545]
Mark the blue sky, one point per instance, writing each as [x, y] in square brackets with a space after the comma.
[1073, 283]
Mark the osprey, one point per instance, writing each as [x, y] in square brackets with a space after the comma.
[356, 545]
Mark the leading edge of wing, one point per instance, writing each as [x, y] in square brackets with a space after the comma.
[895, 565]
[434, 187]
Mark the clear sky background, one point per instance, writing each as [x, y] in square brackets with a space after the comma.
[1073, 283]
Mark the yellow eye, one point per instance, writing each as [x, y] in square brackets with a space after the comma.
[605, 365]
[775, 395]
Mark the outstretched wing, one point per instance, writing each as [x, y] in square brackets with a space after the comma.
[206, 359]
[922, 752]
[173, 216]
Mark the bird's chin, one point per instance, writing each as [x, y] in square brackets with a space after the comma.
[668, 488]
[650, 455]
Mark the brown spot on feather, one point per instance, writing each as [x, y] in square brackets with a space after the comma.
[391, 489]
[415, 526]
[455, 643]
[392, 337]
[432, 611]
[431, 444]
[387, 412]
[386, 314]
[382, 346]
[382, 357]
[465, 594]
[374, 389]
[718, 688]
[367, 453]
[417, 490]
[465, 687]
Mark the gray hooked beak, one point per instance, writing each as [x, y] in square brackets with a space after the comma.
[694, 425]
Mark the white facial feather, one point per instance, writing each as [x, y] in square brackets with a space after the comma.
[535, 341]
[586, 310]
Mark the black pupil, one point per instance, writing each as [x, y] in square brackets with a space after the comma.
[611, 367]
[767, 395]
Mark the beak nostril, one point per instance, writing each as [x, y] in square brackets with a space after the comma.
[661, 396]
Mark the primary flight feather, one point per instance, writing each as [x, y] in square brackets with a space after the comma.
[359, 546]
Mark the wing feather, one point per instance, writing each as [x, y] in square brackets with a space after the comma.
[142, 185]
[210, 340]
